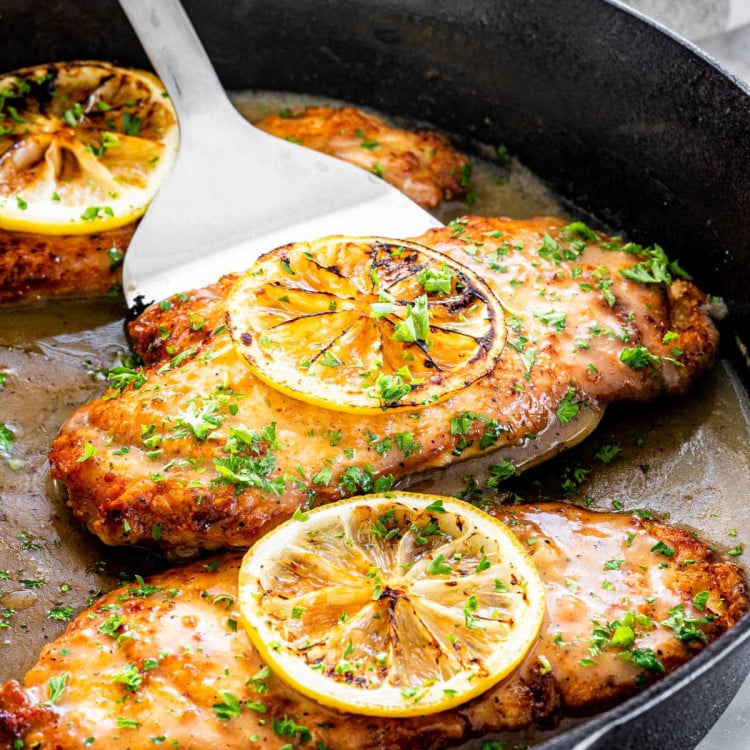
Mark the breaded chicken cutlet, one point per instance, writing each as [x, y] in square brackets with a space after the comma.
[150, 662]
[582, 333]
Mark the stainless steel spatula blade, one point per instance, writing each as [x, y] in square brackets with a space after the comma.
[235, 191]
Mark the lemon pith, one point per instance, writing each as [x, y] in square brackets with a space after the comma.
[84, 146]
[364, 324]
[391, 605]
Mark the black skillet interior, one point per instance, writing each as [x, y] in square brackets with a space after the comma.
[624, 122]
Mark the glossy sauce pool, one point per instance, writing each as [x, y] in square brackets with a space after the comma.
[685, 460]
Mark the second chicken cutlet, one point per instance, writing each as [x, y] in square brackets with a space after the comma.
[421, 164]
[166, 661]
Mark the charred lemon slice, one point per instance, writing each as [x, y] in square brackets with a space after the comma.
[391, 605]
[362, 324]
[84, 146]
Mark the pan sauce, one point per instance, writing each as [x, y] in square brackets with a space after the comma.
[686, 460]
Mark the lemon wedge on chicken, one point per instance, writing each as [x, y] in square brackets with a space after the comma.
[395, 604]
[84, 146]
[364, 324]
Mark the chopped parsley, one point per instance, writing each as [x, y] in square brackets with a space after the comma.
[660, 548]
[287, 727]
[229, 708]
[555, 318]
[568, 408]
[638, 358]
[131, 125]
[330, 359]
[392, 388]
[61, 612]
[129, 676]
[324, 476]
[141, 590]
[405, 443]
[439, 566]
[646, 659]
[122, 376]
[581, 229]
[89, 451]
[363, 479]
[500, 472]
[436, 281]
[56, 687]
[6, 438]
[656, 269]
[95, 212]
[436, 507]
[686, 628]
[416, 324]
[384, 306]
[199, 420]
[111, 625]
[608, 453]
[249, 462]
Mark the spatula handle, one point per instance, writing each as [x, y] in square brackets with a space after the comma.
[177, 54]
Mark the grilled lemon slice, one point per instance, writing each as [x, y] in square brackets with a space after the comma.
[363, 324]
[84, 146]
[391, 605]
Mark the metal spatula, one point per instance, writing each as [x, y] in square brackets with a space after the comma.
[236, 192]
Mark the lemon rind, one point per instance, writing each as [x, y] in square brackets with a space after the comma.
[432, 700]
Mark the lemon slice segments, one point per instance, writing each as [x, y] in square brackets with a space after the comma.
[397, 604]
[84, 146]
[365, 324]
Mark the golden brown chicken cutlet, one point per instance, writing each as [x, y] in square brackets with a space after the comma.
[423, 165]
[156, 459]
[628, 601]
[38, 266]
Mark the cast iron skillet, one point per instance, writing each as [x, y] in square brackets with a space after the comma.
[624, 121]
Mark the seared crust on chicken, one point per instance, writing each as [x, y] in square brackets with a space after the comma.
[152, 461]
[181, 322]
[628, 601]
[40, 266]
[422, 165]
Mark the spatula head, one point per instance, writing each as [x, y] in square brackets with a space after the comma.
[227, 202]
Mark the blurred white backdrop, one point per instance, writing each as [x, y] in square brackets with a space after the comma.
[720, 27]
